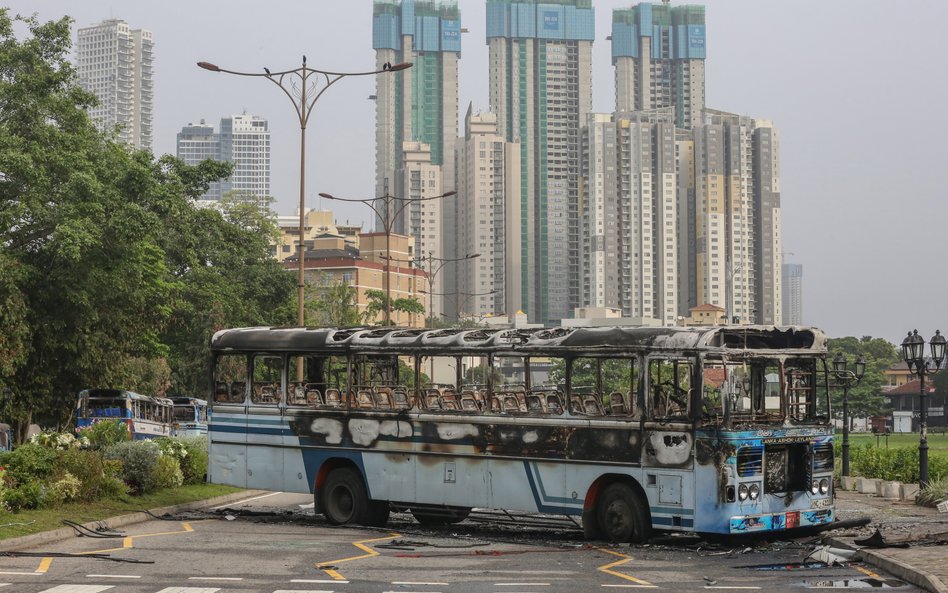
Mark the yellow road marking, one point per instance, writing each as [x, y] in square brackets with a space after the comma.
[44, 564]
[127, 543]
[607, 568]
[369, 552]
[867, 572]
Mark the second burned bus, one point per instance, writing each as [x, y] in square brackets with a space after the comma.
[718, 430]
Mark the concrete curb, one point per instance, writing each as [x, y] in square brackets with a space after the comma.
[45, 537]
[904, 571]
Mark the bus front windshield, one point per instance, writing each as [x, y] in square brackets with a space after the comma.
[765, 391]
[104, 407]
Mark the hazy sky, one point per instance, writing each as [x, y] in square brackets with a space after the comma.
[856, 89]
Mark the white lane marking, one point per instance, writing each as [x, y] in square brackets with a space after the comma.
[428, 584]
[246, 500]
[113, 576]
[299, 591]
[35, 574]
[632, 586]
[215, 578]
[189, 590]
[521, 584]
[78, 589]
[319, 581]
[728, 587]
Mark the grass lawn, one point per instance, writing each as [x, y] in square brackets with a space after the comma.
[937, 442]
[47, 519]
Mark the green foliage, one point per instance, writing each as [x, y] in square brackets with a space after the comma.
[26, 495]
[139, 460]
[28, 462]
[377, 301]
[105, 432]
[96, 478]
[194, 464]
[331, 304]
[109, 272]
[865, 399]
[934, 493]
[63, 490]
[895, 463]
[58, 440]
[166, 474]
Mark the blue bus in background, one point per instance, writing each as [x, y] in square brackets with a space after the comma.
[145, 417]
[190, 416]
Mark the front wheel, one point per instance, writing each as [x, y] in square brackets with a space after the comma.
[343, 500]
[621, 515]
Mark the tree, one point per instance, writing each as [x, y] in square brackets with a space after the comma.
[109, 273]
[377, 301]
[866, 398]
[331, 304]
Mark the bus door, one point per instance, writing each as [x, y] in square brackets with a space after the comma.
[227, 431]
[266, 422]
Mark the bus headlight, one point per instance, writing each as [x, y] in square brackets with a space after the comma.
[824, 486]
[742, 492]
[815, 487]
[754, 491]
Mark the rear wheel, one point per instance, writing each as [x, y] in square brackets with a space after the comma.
[621, 515]
[440, 515]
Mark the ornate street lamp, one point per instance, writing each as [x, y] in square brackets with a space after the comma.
[845, 378]
[303, 93]
[392, 208]
[913, 353]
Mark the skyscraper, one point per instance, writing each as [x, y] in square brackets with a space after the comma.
[658, 52]
[420, 105]
[115, 64]
[540, 88]
[793, 294]
[488, 205]
[244, 140]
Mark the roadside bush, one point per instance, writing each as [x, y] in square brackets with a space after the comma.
[194, 464]
[96, 478]
[935, 492]
[896, 463]
[138, 459]
[65, 489]
[26, 495]
[105, 433]
[58, 440]
[167, 474]
[27, 463]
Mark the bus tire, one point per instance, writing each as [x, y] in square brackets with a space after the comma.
[343, 499]
[430, 517]
[377, 513]
[621, 515]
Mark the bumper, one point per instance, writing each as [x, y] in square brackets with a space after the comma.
[779, 521]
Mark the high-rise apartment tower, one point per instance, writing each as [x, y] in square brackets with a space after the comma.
[658, 52]
[115, 64]
[793, 294]
[540, 68]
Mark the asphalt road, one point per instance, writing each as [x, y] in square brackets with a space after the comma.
[285, 548]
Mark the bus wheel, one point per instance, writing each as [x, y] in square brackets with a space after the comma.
[343, 498]
[621, 515]
[440, 515]
[377, 515]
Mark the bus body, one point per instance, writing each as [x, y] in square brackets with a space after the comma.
[145, 417]
[717, 430]
[190, 416]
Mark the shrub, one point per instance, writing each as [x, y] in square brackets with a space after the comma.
[166, 474]
[106, 432]
[138, 459]
[935, 492]
[194, 464]
[96, 479]
[27, 495]
[29, 462]
[63, 490]
[58, 440]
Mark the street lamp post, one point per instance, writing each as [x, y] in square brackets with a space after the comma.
[433, 271]
[303, 97]
[458, 302]
[394, 206]
[846, 378]
[913, 353]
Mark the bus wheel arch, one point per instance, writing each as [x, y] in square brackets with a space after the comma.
[616, 509]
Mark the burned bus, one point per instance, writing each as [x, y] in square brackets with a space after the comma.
[716, 430]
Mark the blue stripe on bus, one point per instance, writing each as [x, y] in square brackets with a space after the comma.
[671, 511]
[243, 429]
[669, 522]
[538, 500]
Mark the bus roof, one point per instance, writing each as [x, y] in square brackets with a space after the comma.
[122, 393]
[544, 340]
